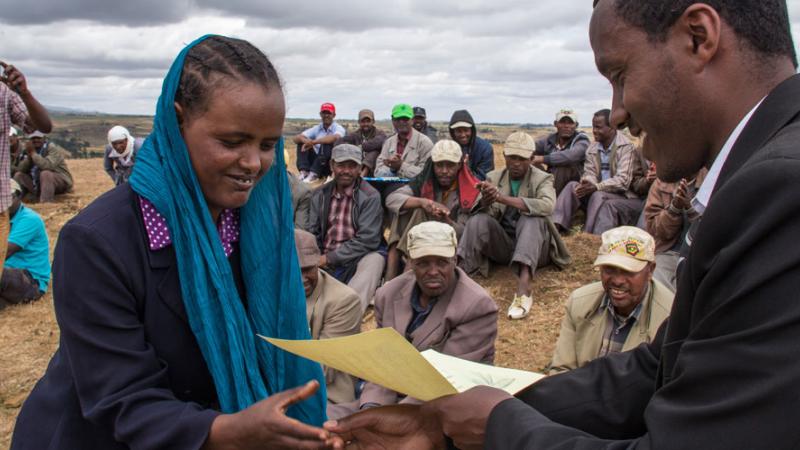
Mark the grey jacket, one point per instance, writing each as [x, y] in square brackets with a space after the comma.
[573, 154]
[367, 216]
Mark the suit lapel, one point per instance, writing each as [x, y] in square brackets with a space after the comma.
[422, 336]
[402, 307]
[777, 110]
[164, 267]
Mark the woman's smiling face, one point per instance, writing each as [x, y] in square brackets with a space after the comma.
[232, 143]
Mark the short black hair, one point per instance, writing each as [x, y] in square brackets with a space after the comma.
[763, 24]
[606, 114]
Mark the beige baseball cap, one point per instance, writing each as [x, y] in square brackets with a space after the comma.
[628, 248]
[519, 144]
[432, 238]
[446, 150]
[566, 112]
[307, 251]
[461, 124]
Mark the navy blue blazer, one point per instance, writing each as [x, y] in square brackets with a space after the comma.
[128, 372]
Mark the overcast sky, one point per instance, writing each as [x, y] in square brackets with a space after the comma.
[504, 60]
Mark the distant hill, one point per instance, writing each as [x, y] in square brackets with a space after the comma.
[83, 133]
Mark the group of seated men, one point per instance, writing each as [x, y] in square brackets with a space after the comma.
[39, 166]
[452, 218]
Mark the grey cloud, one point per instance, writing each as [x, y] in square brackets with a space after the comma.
[130, 13]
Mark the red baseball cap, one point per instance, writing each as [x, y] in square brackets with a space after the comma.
[327, 107]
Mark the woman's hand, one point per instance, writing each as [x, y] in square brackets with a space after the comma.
[265, 425]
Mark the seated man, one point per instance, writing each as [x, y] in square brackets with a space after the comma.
[445, 191]
[15, 149]
[668, 214]
[480, 151]
[609, 169]
[513, 224]
[301, 202]
[27, 266]
[43, 170]
[346, 218]
[405, 152]
[420, 123]
[435, 305]
[314, 145]
[120, 154]
[333, 310]
[369, 137]
[563, 152]
[619, 312]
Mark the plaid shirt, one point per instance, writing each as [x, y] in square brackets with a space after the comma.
[617, 327]
[340, 220]
[402, 141]
[13, 111]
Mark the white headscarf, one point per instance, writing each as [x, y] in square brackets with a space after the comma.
[119, 133]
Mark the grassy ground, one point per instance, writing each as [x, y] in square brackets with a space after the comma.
[30, 332]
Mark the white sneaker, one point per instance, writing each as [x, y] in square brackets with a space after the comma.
[520, 307]
[312, 177]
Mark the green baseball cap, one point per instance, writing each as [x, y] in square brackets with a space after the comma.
[403, 110]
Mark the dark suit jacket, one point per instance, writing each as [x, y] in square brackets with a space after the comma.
[128, 372]
[723, 373]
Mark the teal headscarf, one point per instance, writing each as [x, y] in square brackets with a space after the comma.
[245, 368]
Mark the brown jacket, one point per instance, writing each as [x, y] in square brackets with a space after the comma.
[583, 326]
[371, 145]
[624, 162]
[417, 151]
[662, 222]
[463, 323]
[334, 310]
[539, 195]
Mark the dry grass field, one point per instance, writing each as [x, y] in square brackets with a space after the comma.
[30, 333]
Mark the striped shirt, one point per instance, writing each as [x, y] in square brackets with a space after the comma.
[340, 220]
[617, 327]
[13, 111]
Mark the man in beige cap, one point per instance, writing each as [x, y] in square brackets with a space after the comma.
[564, 151]
[346, 217]
[622, 310]
[444, 191]
[514, 225]
[435, 305]
[333, 310]
[369, 137]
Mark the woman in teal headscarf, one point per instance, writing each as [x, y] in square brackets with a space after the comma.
[159, 304]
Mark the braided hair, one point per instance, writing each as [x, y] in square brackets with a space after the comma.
[218, 60]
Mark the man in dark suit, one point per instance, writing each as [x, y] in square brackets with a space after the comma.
[713, 84]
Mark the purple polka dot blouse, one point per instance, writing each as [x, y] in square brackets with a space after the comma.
[158, 232]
